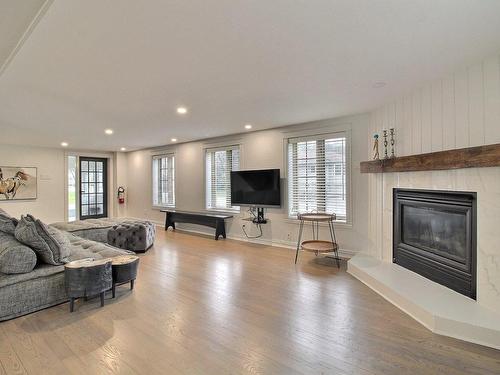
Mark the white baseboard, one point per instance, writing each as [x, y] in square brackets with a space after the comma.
[343, 253]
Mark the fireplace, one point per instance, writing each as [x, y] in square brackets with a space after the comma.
[435, 236]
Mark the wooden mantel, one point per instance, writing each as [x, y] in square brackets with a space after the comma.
[471, 157]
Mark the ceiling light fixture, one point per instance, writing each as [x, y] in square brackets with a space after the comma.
[174, 139]
[108, 131]
[123, 149]
[182, 110]
[248, 126]
[64, 144]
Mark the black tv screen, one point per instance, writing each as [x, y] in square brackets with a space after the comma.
[256, 188]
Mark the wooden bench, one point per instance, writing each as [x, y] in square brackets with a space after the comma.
[208, 219]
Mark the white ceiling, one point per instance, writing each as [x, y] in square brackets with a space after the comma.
[127, 65]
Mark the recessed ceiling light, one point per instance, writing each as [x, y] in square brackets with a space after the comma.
[379, 84]
[123, 149]
[174, 139]
[64, 144]
[248, 126]
[108, 131]
[182, 110]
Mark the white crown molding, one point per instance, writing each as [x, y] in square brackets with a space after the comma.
[34, 22]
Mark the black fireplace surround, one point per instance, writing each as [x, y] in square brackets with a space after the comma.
[435, 236]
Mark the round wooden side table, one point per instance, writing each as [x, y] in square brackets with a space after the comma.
[87, 278]
[124, 271]
[316, 245]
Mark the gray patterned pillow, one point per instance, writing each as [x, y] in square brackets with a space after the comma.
[49, 243]
[14, 256]
[7, 222]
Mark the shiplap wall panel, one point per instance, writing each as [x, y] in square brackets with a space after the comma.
[408, 116]
[417, 122]
[400, 130]
[426, 111]
[491, 70]
[476, 105]
[460, 110]
[437, 116]
[449, 134]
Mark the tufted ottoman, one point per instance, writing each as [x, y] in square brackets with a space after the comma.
[136, 236]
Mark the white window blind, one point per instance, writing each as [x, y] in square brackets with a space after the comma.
[219, 164]
[163, 180]
[317, 180]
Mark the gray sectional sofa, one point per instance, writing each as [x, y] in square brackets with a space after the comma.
[27, 282]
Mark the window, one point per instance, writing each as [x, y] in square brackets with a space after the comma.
[219, 164]
[317, 176]
[163, 180]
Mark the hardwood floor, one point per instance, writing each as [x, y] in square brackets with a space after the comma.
[225, 307]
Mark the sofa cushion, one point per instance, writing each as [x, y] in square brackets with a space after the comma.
[50, 244]
[14, 256]
[81, 248]
[7, 222]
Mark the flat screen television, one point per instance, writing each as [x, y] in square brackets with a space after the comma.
[256, 188]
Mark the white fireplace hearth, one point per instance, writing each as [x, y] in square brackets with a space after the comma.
[438, 308]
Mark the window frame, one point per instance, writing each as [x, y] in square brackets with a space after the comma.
[314, 136]
[157, 157]
[207, 150]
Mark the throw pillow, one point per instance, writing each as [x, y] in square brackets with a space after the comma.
[7, 222]
[49, 243]
[14, 256]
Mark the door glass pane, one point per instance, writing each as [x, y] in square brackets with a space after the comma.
[72, 173]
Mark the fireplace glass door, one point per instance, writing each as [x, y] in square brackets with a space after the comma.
[435, 236]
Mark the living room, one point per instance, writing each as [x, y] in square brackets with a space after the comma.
[346, 155]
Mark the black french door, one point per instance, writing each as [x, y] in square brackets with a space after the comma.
[93, 188]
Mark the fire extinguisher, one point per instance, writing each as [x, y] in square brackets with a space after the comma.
[121, 195]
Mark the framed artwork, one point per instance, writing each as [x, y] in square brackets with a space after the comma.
[18, 183]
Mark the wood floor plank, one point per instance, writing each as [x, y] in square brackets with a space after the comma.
[201, 306]
[9, 361]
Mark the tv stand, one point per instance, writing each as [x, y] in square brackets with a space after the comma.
[260, 216]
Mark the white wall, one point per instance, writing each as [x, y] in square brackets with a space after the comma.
[261, 149]
[458, 111]
[49, 206]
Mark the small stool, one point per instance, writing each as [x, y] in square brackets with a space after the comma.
[87, 278]
[124, 269]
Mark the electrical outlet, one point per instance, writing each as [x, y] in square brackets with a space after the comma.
[289, 236]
